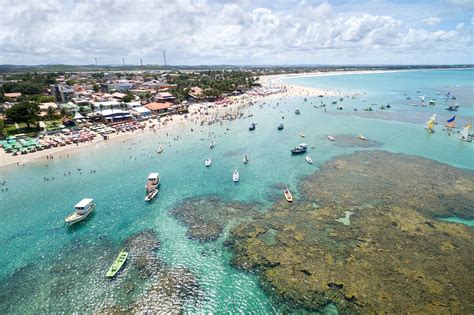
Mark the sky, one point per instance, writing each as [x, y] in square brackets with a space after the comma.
[258, 32]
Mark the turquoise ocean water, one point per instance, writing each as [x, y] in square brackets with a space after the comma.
[35, 244]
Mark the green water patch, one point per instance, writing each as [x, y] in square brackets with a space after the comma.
[206, 217]
[395, 256]
[459, 220]
[74, 281]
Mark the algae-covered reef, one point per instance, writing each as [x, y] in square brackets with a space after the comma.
[73, 281]
[393, 257]
[206, 217]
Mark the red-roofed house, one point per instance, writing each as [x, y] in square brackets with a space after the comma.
[159, 108]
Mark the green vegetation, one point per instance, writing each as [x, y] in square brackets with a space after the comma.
[213, 83]
[24, 112]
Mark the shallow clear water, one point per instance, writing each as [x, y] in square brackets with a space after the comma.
[32, 234]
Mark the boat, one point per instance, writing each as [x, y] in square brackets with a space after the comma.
[235, 176]
[361, 137]
[464, 135]
[302, 148]
[153, 181]
[297, 111]
[252, 126]
[160, 149]
[280, 126]
[453, 108]
[302, 134]
[208, 162]
[83, 209]
[118, 264]
[212, 145]
[340, 107]
[245, 160]
[308, 159]
[450, 123]
[334, 102]
[151, 195]
[288, 195]
[430, 124]
[432, 102]
[331, 138]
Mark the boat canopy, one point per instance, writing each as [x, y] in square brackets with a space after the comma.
[304, 145]
[83, 203]
[153, 176]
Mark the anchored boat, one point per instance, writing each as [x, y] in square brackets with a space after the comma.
[212, 145]
[207, 162]
[235, 176]
[331, 138]
[245, 159]
[464, 135]
[309, 159]
[117, 265]
[288, 195]
[361, 137]
[153, 181]
[252, 126]
[151, 195]
[160, 149]
[280, 126]
[83, 209]
[302, 148]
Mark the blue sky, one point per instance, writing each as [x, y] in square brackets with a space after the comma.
[237, 32]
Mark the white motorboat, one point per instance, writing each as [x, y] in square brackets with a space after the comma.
[212, 145]
[208, 162]
[302, 134]
[153, 181]
[331, 138]
[235, 176]
[245, 159]
[83, 209]
[309, 160]
[151, 195]
[160, 149]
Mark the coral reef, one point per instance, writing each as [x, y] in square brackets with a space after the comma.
[393, 257]
[206, 217]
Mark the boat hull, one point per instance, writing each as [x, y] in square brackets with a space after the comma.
[75, 218]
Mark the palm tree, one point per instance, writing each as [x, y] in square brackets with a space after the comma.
[51, 114]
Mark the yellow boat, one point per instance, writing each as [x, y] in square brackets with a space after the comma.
[118, 263]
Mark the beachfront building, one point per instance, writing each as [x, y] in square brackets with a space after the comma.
[106, 105]
[159, 108]
[111, 115]
[63, 93]
[195, 93]
[164, 97]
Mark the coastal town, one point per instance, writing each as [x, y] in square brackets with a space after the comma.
[40, 111]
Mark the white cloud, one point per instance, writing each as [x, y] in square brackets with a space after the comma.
[431, 21]
[201, 31]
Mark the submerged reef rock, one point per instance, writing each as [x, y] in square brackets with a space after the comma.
[207, 217]
[393, 256]
[352, 141]
[173, 288]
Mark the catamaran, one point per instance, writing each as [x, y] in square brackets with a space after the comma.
[430, 124]
[235, 176]
[117, 265]
[450, 123]
[83, 209]
[464, 135]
